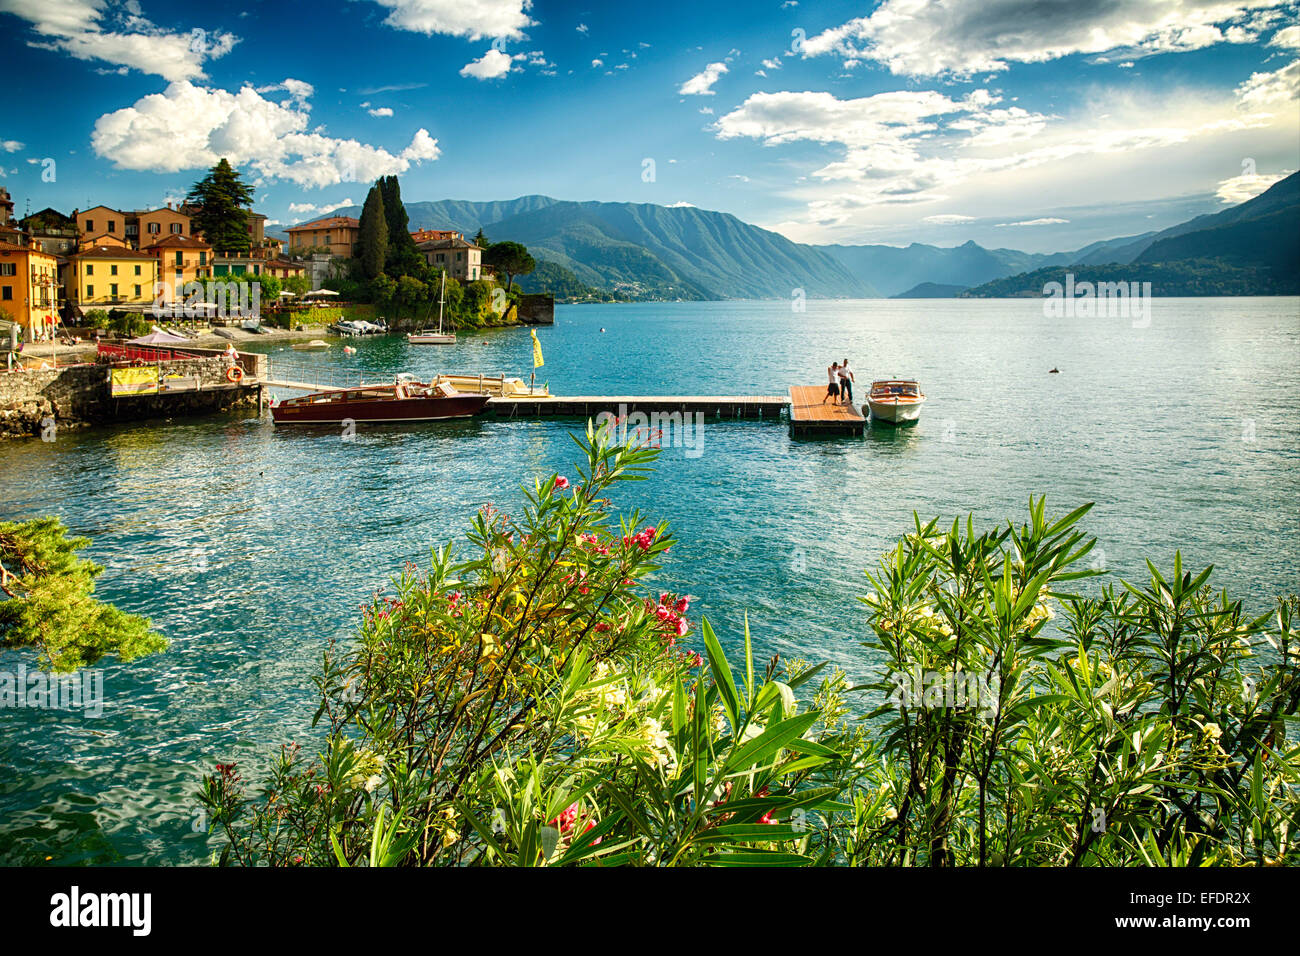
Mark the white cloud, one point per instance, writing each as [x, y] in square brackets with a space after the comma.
[1271, 90]
[1240, 188]
[962, 37]
[491, 65]
[191, 127]
[121, 35]
[681, 205]
[1046, 221]
[312, 209]
[701, 84]
[596, 64]
[921, 146]
[582, 28]
[474, 19]
[948, 219]
[10, 145]
[1288, 37]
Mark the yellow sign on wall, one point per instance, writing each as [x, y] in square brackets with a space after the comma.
[133, 381]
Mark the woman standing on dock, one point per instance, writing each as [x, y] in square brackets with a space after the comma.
[833, 389]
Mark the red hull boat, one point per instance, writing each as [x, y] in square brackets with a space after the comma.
[403, 401]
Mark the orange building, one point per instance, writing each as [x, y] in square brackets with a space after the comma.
[101, 221]
[338, 235]
[181, 259]
[429, 235]
[151, 225]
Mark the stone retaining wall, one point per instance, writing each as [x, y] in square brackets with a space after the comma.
[78, 396]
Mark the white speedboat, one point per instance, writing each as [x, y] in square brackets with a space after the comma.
[315, 345]
[897, 401]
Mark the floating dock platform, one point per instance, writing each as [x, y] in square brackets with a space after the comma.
[812, 414]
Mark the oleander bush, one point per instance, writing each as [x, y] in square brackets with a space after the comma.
[528, 703]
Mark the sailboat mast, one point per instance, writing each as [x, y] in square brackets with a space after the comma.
[442, 297]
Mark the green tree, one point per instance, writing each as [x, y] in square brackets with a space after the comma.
[374, 234]
[223, 200]
[50, 606]
[512, 258]
[297, 284]
[402, 258]
[480, 240]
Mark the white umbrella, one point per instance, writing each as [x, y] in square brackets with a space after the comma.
[319, 292]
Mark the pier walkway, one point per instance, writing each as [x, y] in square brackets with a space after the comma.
[767, 407]
[811, 415]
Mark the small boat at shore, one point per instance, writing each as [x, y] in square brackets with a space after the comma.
[315, 345]
[896, 401]
[404, 400]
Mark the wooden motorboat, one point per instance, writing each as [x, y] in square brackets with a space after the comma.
[405, 400]
[494, 385]
[897, 401]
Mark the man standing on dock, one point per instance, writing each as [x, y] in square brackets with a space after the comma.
[846, 383]
[833, 389]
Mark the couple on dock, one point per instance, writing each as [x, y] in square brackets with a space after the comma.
[841, 383]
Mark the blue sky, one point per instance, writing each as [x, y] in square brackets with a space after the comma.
[1032, 125]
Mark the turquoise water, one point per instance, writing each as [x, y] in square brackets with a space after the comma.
[252, 547]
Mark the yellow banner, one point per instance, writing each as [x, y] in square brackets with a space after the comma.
[133, 381]
[537, 351]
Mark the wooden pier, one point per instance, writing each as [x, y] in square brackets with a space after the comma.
[766, 407]
[812, 414]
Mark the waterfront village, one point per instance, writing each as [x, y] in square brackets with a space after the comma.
[55, 269]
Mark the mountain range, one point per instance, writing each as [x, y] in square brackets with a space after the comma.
[647, 251]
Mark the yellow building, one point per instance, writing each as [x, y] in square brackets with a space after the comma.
[29, 282]
[104, 276]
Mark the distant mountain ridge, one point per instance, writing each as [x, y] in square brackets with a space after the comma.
[647, 251]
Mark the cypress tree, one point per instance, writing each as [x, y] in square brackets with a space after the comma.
[374, 233]
[403, 258]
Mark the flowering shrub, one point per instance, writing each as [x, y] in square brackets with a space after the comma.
[527, 705]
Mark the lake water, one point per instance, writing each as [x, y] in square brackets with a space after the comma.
[251, 547]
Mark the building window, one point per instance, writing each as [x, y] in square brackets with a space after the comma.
[90, 269]
[177, 228]
[90, 225]
[7, 294]
[112, 270]
[154, 229]
[137, 270]
[112, 225]
[137, 292]
[180, 258]
[112, 290]
[90, 292]
[8, 269]
[203, 258]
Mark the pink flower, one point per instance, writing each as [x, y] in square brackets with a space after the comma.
[682, 627]
[683, 605]
[564, 822]
[561, 482]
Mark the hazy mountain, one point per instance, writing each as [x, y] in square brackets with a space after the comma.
[1251, 249]
[931, 290]
[895, 269]
[645, 251]
[649, 251]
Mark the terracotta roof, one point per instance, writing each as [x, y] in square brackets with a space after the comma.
[113, 252]
[9, 248]
[187, 242]
[447, 244]
[330, 222]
